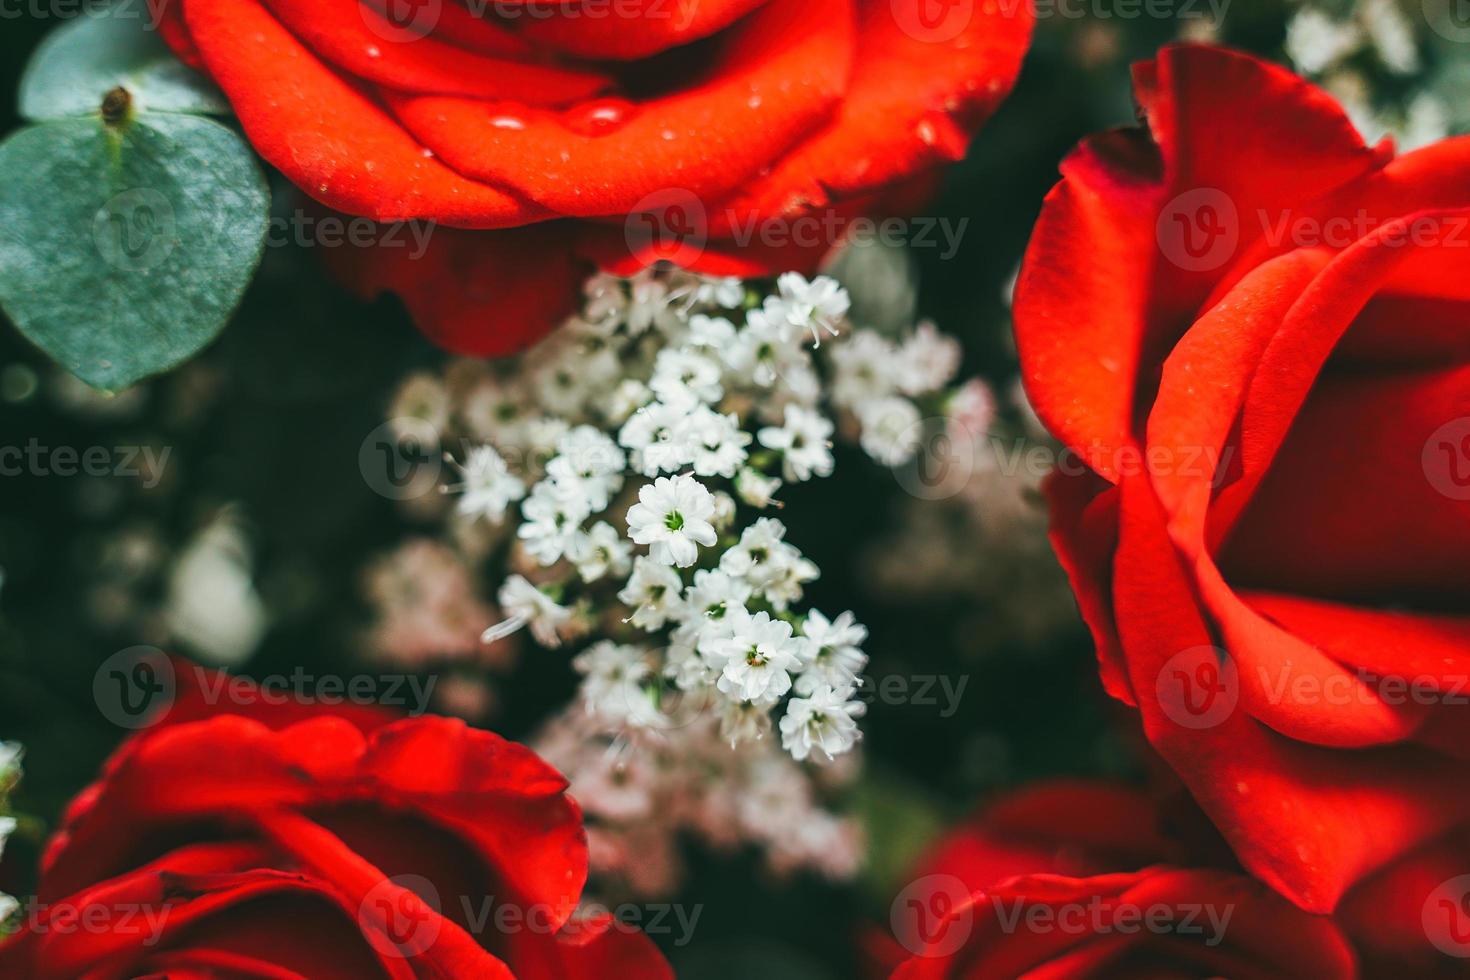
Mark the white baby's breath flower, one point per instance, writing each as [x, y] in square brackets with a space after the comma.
[714, 333]
[552, 514]
[672, 517]
[831, 655]
[654, 592]
[717, 442]
[659, 437]
[892, 430]
[825, 722]
[614, 686]
[927, 361]
[744, 721]
[755, 488]
[757, 658]
[488, 487]
[588, 468]
[802, 441]
[527, 605]
[713, 596]
[818, 306]
[866, 367]
[599, 552]
[683, 377]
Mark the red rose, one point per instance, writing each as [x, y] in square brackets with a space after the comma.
[1250, 328]
[1061, 881]
[228, 848]
[655, 129]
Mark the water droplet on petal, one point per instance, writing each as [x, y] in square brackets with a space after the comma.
[599, 117]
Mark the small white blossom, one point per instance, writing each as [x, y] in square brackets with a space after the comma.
[660, 438]
[588, 467]
[615, 682]
[682, 377]
[717, 443]
[488, 487]
[831, 656]
[527, 605]
[758, 658]
[714, 595]
[654, 592]
[744, 721]
[755, 488]
[802, 441]
[927, 361]
[825, 721]
[600, 551]
[818, 306]
[866, 367]
[672, 517]
[892, 430]
[552, 517]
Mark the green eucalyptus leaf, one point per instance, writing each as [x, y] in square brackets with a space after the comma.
[124, 248]
[119, 47]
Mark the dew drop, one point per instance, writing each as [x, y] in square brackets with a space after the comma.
[599, 117]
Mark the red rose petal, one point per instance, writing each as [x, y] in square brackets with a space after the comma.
[477, 293]
[631, 28]
[778, 76]
[1308, 821]
[325, 135]
[915, 100]
[343, 32]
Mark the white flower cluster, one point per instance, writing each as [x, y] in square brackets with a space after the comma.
[10, 759]
[643, 795]
[616, 489]
[1371, 57]
[681, 407]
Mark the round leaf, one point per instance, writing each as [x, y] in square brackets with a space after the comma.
[123, 250]
[82, 60]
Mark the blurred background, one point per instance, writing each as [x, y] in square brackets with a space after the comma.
[242, 530]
